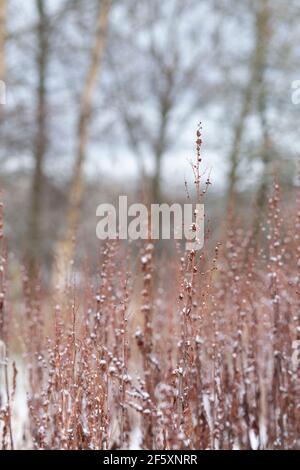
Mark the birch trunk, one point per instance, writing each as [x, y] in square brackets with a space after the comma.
[65, 247]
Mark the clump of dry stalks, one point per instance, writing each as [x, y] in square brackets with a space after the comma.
[193, 352]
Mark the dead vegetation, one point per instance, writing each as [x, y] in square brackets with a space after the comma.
[197, 351]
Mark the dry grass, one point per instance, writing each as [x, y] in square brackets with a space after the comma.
[198, 351]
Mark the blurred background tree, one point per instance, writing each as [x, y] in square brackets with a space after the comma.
[2, 38]
[103, 98]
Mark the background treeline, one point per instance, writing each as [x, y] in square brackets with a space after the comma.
[104, 97]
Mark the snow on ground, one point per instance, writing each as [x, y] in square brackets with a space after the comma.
[18, 401]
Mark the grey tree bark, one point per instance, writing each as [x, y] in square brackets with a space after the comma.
[3, 34]
[40, 142]
[256, 82]
[65, 247]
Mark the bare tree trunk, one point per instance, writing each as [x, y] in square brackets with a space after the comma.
[64, 252]
[265, 35]
[234, 156]
[3, 38]
[258, 65]
[3, 34]
[156, 179]
[266, 150]
[161, 143]
[40, 144]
